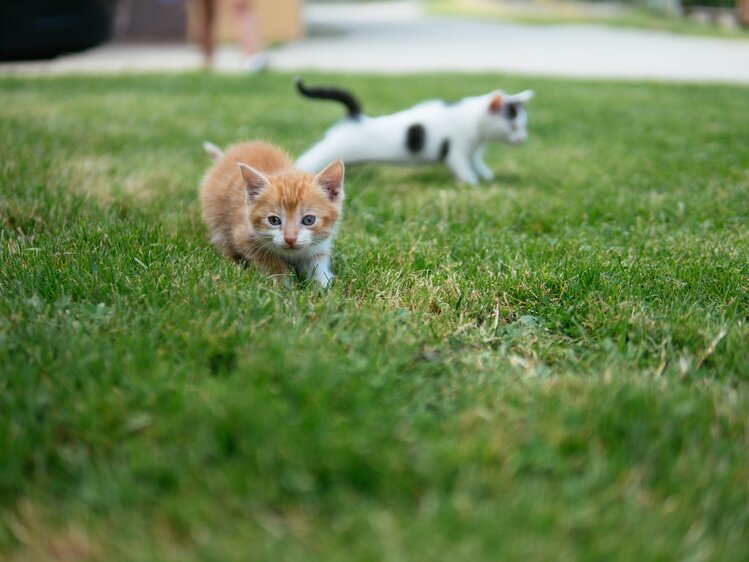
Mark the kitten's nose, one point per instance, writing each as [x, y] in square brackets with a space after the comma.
[290, 239]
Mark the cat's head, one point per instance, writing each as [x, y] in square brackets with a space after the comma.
[505, 117]
[294, 212]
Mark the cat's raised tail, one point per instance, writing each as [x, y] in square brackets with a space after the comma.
[212, 150]
[335, 94]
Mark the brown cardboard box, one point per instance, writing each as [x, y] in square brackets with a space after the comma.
[278, 20]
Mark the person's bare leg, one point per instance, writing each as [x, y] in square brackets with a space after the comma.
[245, 18]
[247, 34]
[208, 31]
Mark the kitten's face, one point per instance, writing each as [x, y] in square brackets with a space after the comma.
[506, 117]
[294, 213]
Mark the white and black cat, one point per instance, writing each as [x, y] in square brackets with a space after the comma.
[432, 131]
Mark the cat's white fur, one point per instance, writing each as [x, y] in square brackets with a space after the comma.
[213, 151]
[467, 125]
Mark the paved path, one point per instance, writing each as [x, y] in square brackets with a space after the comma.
[398, 37]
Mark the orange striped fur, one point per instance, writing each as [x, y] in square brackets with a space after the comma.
[258, 209]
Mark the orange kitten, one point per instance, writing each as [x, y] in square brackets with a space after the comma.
[259, 209]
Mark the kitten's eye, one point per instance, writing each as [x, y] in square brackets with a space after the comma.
[309, 220]
[512, 111]
[273, 220]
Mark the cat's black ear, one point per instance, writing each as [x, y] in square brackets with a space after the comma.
[330, 180]
[496, 103]
[253, 180]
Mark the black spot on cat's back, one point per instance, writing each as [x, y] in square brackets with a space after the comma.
[444, 150]
[415, 137]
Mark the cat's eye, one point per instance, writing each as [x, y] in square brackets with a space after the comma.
[309, 220]
[512, 110]
[273, 220]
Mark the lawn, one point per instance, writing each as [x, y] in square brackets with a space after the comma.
[552, 366]
[627, 14]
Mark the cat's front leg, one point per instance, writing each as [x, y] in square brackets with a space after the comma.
[480, 167]
[273, 267]
[461, 166]
[318, 269]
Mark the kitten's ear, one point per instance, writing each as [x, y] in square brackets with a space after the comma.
[496, 103]
[330, 180]
[253, 180]
[524, 97]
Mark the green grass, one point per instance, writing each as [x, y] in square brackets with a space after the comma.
[560, 12]
[552, 366]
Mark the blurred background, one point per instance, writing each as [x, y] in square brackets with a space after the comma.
[663, 39]
[45, 28]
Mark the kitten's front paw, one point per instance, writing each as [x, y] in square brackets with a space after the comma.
[280, 280]
[487, 175]
[324, 278]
